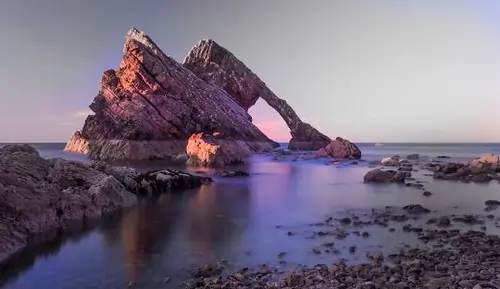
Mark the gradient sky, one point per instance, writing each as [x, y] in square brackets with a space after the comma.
[366, 70]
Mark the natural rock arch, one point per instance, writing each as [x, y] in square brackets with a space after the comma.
[216, 65]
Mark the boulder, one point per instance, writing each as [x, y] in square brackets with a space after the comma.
[379, 176]
[211, 151]
[390, 161]
[341, 148]
[151, 105]
[485, 160]
[216, 65]
[413, 157]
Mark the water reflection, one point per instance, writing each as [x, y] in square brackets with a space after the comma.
[216, 217]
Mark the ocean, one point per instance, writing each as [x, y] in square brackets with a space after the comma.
[243, 220]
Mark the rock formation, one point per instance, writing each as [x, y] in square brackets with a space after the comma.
[77, 144]
[151, 105]
[216, 65]
[38, 195]
[213, 151]
[381, 176]
[340, 148]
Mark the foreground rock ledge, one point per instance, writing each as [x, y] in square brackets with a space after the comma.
[39, 195]
[469, 260]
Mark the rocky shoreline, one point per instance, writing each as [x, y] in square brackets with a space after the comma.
[455, 250]
[39, 195]
[449, 256]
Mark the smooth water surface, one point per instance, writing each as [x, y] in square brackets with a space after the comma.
[243, 220]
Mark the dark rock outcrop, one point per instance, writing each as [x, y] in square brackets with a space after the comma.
[385, 176]
[151, 105]
[39, 195]
[480, 170]
[216, 65]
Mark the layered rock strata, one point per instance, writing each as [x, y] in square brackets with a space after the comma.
[151, 105]
[216, 65]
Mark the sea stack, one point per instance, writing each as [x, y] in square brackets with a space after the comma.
[216, 65]
[150, 106]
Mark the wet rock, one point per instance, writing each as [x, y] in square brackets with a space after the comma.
[492, 203]
[345, 221]
[416, 209]
[427, 193]
[443, 222]
[413, 157]
[230, 174]
[390, 161]
[383, 176]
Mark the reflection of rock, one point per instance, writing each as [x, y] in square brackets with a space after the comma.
[215, 214]
[142, 229]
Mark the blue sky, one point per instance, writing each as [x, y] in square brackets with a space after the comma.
[366, 70]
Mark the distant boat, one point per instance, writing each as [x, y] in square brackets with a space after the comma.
[378, 144]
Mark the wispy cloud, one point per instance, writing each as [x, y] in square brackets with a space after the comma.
[82, 113]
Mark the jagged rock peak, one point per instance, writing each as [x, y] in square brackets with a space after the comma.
[137, 35]
[211, 51]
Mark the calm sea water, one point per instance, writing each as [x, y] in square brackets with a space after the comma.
[243, 220]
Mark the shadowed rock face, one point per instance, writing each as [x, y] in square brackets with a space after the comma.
[216, 65]
[151, 105]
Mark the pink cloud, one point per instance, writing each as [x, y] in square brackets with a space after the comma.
[275, 129]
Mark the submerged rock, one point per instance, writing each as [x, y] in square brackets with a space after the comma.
[413, 156]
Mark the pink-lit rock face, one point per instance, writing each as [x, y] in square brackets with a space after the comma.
[151, 105]
[344, 149]
[215, 151]
[216, 65]
[77, 144]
